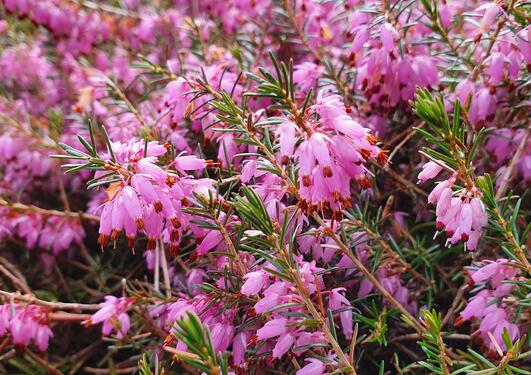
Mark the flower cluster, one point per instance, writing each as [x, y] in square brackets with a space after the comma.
[263, 156]
[24, 324]
[490, 306]
[113, 315]
[462, 217]
[149, 198]
[333, 152]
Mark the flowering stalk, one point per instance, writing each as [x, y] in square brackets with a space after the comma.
[262, 235]
[457, 157]
[285, 96]
[270, 230]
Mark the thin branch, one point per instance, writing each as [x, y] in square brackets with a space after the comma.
[55, 305]
[506, 178]
[45, 212]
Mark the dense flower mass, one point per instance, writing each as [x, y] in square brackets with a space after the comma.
[246, 187]
[23, 325]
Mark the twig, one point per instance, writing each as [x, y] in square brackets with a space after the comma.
[404, 141]
[506, 178]
[304, 294]
[165, 271]
[455, 304]
[68, 317]
[8, 355]
[127, 102]
[45, 212]
[242, 270]
[55, 305]
[394, 255]
[348, 252]
[37, 358]
[16, 281]
[408, 184]
[156, 278]
[127, 370]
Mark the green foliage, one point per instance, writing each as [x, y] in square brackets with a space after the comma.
[92, 160]
[432, 344]
[503, 220]
[253, 211]
[470, 362]
[278, 88]
[477, 364]
[201, 354]
[448, 136]
[451, 136]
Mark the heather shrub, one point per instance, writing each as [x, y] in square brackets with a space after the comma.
[264, 187]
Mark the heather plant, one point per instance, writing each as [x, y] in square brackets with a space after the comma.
[250, 187]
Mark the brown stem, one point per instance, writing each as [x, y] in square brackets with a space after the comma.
[303, 292]
[16, 281]
[394, 255]
[242, 270]
[506, 178]
[45, 212]
[37, 358]
[520, 253]
[128, 103]
[56, 305]
[67, 317]
[455, 303]
[348, 252]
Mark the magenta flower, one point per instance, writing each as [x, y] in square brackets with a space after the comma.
[284, 343]
[25, 324]
[462, 217]
[314, 367]
[429, 170]
[337, 301]
[254, 283]
[273, 328]
[113, 315]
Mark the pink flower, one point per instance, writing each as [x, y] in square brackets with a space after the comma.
[306, 75]
[387, 35]
[284, 343]
[211, 240]
[495, 70]
[476, 306]
[336, 302]
[239, 347]
[176, 99]
[113, 315]
[189, 163]
[360, 38]
[25, 324]
[314, 367]
[491, 12]
[287, 135]
[429, 170]
[221, 334]
[462, 217]
[438, 191]
[254, 283]
[270, 300]
[273, 328]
